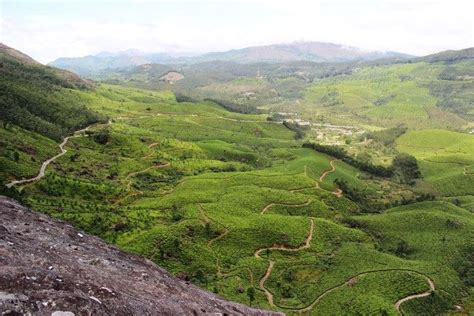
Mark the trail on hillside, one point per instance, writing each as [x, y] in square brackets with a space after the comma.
[134, 173]
[206, 219]
[415, 296]
[226, 231]
[220, 236]
[338, 192]
[261, 283]
[129, 182]
[353, 279]
[231, 272]
[326, 172]
[165, 193]
[266, 208]
[209, 220]
[46, 163]
[316, 183]
[151, 146]
[271, 263]
[315, 186]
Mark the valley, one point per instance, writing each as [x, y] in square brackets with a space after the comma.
[258, 209]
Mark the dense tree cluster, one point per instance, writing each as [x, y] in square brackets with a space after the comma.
[387, 136]
[454, 96]
[340, 153]
[406, 168]
[102, 136]
[465, 266]
[181, 97]
[235, 107]
[368, 204]
[38, 98]
[298, 129]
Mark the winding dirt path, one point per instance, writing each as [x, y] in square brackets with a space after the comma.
[315, 185]
[415, 296]
[305, 245]
[261, 283]
[271, 263]
[222, 235]
[208, 220]
[129, 182]
[326, 172]
[152, 153]
[352, 279]
[46, 163]
[338, 192]
[231, 272]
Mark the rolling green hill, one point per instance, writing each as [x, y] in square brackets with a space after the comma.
[450, 56]
[414, 94]
[257, 85]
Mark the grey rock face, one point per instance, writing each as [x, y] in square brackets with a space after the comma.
[47, 267]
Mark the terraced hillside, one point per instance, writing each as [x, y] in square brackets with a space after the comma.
[233, 203]
[419, 95]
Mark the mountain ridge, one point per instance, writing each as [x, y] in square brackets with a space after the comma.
[300, 50]
[275, 53]
[450, 55]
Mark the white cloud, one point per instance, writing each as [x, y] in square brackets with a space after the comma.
[416, 26]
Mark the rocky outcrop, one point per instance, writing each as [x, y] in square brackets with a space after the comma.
[47, 267]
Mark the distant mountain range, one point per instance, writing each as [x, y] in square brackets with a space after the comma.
[307, 51]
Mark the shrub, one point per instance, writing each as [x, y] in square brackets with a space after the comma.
[406, 167]
[102, 136]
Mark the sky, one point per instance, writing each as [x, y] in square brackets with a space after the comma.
[49, 29]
